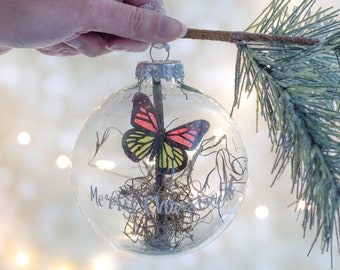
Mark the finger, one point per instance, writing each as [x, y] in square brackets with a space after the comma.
[60, 49]
[128, 45]
[4, 50]
[132, 23]
[90, 44]
[94, 44]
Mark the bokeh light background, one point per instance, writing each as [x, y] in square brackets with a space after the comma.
[43, 102]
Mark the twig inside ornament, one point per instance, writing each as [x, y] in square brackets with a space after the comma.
[183, 206]
[160, 220]
[162, 211]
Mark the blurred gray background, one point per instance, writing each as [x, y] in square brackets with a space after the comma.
[43, 102]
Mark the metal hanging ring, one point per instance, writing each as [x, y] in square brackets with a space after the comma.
[165, 46]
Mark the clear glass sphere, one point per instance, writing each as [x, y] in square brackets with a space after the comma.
[159, 168]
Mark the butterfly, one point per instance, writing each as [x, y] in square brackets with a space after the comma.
[149, 138]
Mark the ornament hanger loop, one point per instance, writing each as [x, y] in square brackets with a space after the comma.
[160, 46]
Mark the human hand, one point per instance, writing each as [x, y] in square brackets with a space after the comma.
[89, 27]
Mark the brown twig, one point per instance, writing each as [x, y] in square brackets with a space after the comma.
[235, 36]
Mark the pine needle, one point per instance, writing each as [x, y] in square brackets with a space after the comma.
[298, 89]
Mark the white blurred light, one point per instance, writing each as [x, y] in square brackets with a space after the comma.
[102, 263]
[261, 212]
[63, 162]
[22, 259]
[105, 164]
[63, 266]
[218, 132]
[24, 138]
[301, 205]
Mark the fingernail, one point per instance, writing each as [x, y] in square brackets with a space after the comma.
[169, 28]
[184, 31]
[75, 43]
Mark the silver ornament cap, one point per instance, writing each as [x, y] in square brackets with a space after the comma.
[158, 70]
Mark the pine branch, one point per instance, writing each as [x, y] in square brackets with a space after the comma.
[236, 36]
[298, 90]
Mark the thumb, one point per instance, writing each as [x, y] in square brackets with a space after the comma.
[123, 20]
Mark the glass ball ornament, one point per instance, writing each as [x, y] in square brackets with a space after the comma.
[159, 167]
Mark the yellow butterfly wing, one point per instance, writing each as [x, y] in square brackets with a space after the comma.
[172, 159]
[137, 144]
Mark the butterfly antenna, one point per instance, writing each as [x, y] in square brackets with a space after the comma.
[171, 122]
